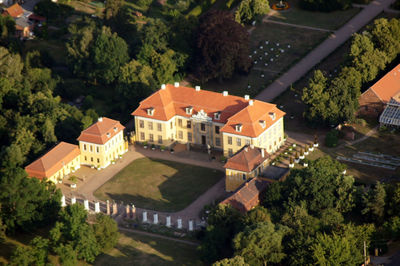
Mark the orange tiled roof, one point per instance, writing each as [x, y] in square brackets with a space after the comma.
[101, 131]
[247, 196]
[173, 101]
[388, 86]
[247, 159]
[53, 160]
[14, 11]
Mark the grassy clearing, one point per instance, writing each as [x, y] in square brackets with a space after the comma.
[135, 249]
[159, 185]
[55, 48]
[301, 41]
[329, 21]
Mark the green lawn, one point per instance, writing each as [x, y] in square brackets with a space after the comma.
[329, 21]
[135, 249]
[301, 41]
[158, 184]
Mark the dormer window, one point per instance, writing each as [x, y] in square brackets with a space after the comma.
[238, 127]
[108, 134]
[262, 123]
[115, 129]
[189, 110]
[217, 115]
[150, 111]
[272, 115]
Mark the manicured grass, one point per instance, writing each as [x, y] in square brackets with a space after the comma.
[298, 16]
[135, 249]
[301, 42]
[159, 185]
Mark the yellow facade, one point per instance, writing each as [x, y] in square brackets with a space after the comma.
[184, 130]
[234, 178]
[67, 169]
[101, 155]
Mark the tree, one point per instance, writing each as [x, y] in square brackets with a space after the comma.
[109, 53]
[67, 255]
[86, 245]
[112, 7]
[248, 10]
[223, 223]
[386, 36]
[7, 29]
[156, 35]
[2, 232]
[235, 261]
[316, 98]
[33, 254]
[106, 232]
[222, 46]
[335, 250]
[261, 243]
[257, 215]
[22, 256]
[374, 202]
[27, 203]
[393, 199]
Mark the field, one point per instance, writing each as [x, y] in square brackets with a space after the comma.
[159, 185]
[295, 43]
[298, 16]
[135, 249]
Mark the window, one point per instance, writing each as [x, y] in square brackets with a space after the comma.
[141, 123]
[142, 135]
[238, 142]
[91, 148]
[159, 127]
[150, 124]
[217, 142]
[247, 142]
[85, 158]
[91, 159]
[159, 139]
[216, 129]
[189, 124]
[230, 152]
[189, 136]
[230, 140]
[180, 134]
[151, 137]
[172, 125]
[203, 127]
[84, 147]
[180, 122]
[98, 160]
[97, 149]
[244, 176]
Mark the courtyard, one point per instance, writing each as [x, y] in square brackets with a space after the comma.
[157, 184]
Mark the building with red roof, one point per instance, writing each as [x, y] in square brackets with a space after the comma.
[374, 100]
[56, 163]
[101, 143]
[221, 121]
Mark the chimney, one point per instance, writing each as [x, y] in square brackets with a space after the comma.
[163, 86]
[197, 88]
[247, 184]
[225, 93]
[262, 153]
[247, 97]
[100, 119]
[245, 149]
[251, 102]
[176, 84]
[252, 146]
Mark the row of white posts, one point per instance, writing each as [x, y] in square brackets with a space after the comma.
[130, 212]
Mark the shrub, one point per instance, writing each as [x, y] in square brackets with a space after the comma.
[331, 139]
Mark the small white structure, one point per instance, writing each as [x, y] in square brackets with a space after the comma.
[97, 207]
[144, 217]
[168, 221]
[73, 200]
[86, 204]
[179, 222]
[190, 225]
[155, 218]
[63, 204]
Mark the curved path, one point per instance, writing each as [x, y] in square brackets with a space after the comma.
[323, 50]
